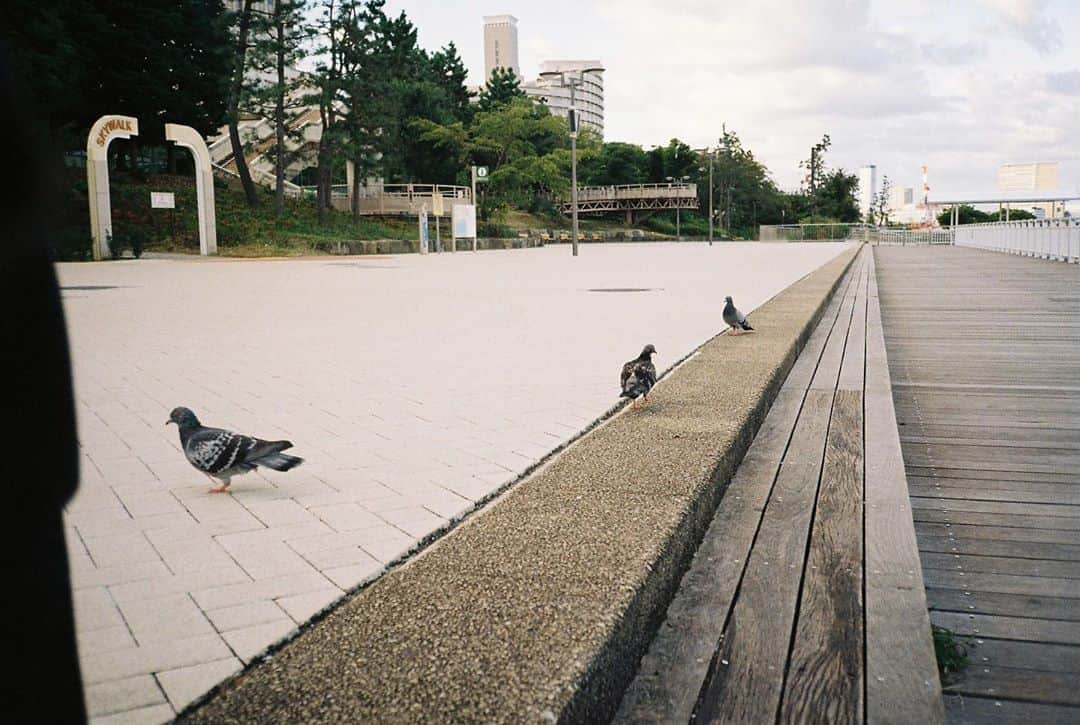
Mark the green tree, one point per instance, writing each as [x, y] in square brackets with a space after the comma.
[1015, 215]
[236, 89]
[501, 88]
[878, 213]
[967, 215]
[448, 71]
[280, 43]
[615, 163]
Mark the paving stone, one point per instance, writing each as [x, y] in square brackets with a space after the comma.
[249, 642]
[302, 607]
[184, 685]
[165, 618]
[131, 693]
[153, 715]
[246, 615]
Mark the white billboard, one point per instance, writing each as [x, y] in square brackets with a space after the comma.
[464, 221]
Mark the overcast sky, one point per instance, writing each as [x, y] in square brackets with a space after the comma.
[962, 86]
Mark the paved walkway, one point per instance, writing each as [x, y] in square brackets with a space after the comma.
[984, 350]
[804, 601]
[414, 387]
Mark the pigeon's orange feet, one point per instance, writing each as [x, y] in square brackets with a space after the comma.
[219, 489]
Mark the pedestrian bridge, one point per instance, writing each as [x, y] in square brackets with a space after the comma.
[633, 197]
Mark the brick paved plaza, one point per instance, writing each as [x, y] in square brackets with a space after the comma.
[413, 387]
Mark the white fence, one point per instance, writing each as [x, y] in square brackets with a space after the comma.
[858, 232]
[1047, 238]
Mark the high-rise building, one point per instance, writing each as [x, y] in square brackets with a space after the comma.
[867, 188]
[588, 96]
[1028, 177]
[500, 44]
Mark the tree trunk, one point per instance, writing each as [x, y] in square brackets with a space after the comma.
[234, 107]
[279, 115]
[357, 165]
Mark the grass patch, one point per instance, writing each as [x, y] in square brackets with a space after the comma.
[950, 650]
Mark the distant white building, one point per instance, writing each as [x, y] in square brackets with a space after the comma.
[588, 96]
[867, 188]
[1041, 176]
[500, 45]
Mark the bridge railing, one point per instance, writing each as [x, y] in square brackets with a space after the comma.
[1046, 238]
[637, 191]
[853, 231]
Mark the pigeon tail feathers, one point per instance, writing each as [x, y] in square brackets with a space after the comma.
[279, 461]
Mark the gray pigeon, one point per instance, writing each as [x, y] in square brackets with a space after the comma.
[222, 454]
[735, 319]
[638, 376]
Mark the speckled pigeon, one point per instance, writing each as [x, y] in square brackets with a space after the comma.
[638, 376]
[222, 454]
[734, 318]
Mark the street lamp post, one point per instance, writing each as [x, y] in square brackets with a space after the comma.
[712, 155]
[572, 80]
[680, 180]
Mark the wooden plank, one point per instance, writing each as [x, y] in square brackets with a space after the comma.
[672, 673]
[979, 710]
[1016, 684]
[973, 601]
[1001, 565]
[853, 368]
[1053, 513]
[897, 675]
[748, 668]
[978, 475]
[995, 533]
[825, 672]
[1059, 494]
[986, 652]
[990, 547]
[828, 371]
[1025, 629]
[1058, 523]
[1004, 583]
[901, 673]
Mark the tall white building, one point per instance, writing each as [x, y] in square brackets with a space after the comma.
[867, 188]
[500, 44]
[588, 96]
[1041, 176]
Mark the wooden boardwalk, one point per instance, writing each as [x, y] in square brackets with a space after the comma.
[984, 350]
[805, 600]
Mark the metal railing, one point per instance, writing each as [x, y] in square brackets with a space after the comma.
[1046, 238]
[857, 232]
[638, 191]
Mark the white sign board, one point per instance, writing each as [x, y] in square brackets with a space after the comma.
[424, 236]
[437, 204]
[464, 221]
[162, 200]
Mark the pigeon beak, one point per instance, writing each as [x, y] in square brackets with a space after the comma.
[167, 422]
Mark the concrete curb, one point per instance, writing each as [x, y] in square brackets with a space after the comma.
[540, 606]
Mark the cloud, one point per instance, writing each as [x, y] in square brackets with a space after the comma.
[1029, 19]
[954, 53]
[1066, 82]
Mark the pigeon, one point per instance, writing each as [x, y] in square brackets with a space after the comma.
[734, 318]
[222, 454]
[638, 376]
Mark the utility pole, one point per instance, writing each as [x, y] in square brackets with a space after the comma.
[712, 155]
[572, 79]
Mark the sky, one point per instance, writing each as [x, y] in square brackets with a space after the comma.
[961, 86]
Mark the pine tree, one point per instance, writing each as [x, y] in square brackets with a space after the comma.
[279, 45]
[501, 88]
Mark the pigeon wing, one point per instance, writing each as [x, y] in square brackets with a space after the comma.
[627, 371]
[213, 450]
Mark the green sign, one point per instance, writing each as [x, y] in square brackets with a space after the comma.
[481, 173]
